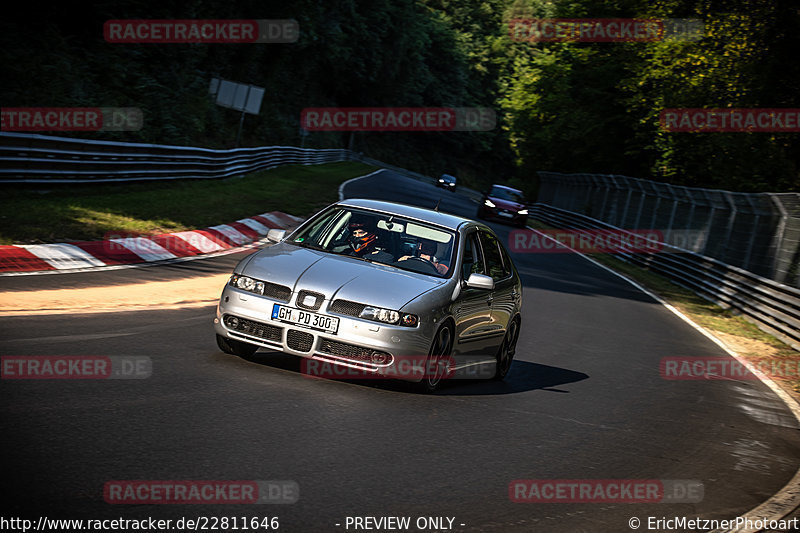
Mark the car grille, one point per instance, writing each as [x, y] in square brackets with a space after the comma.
[346, 307]
[277, 292]
[250, 327]
[318, 299]
[350, 351]
[299, 340]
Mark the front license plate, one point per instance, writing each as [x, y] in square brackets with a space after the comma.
[306, 319]
[507, 215]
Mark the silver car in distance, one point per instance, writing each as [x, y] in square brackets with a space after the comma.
[380, 289]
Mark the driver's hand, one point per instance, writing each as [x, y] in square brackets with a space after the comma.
[404, 258]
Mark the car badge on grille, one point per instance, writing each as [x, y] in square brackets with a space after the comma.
[310, 300]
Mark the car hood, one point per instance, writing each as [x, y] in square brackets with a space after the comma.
[338, 276]
[506, 204]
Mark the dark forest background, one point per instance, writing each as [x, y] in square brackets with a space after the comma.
[566, 107]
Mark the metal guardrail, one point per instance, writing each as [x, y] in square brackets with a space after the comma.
[32, 158]
[759, 232]
[772, 306]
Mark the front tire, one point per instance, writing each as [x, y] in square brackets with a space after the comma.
[505, 354]
[438, 360]
[234, 347]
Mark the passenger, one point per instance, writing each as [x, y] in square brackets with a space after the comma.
[425, 250]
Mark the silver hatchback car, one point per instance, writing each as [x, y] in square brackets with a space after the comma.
[381, 290]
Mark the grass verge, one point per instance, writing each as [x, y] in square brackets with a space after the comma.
[738, 334]
[88, 212]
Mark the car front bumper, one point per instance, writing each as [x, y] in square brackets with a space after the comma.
[354, 345]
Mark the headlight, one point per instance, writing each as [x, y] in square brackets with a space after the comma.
[488, 203]
[441, 181]
[522, 212]
[389, 316]
[247, 284]
[380, 315]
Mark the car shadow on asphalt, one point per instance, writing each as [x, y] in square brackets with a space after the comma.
[523, 376]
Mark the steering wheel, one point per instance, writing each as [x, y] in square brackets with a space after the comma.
[425, 262]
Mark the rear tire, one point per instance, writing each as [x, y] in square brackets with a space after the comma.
[234, 347]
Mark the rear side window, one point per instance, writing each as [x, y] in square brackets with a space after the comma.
[494, 259]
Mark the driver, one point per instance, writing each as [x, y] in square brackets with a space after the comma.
[425, 250]
[364, 240]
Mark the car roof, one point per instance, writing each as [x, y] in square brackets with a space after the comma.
[507, 188]
[409, 211]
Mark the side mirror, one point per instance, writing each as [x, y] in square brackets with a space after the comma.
[480, 281]
[276, 235]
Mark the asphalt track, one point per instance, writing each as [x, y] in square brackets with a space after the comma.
[583, 400]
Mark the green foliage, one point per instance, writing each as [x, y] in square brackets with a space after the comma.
[569, 107]
[594, 107]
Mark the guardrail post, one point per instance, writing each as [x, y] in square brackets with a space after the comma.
[731, 218]
[672, 214]
[706, 237]
[642, 201]
[627, 203]
[605, 196]
[778, 241]
[749, 253]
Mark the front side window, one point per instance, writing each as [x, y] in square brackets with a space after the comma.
[494, 257]
[473, 258]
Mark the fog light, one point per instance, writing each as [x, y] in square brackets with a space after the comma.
[380, 358]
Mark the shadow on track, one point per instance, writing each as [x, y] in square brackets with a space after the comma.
[523, 377]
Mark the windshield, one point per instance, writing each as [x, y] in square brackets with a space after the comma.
[506, 194]
[380, 238]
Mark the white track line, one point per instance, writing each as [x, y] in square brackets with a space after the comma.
[344, 184]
